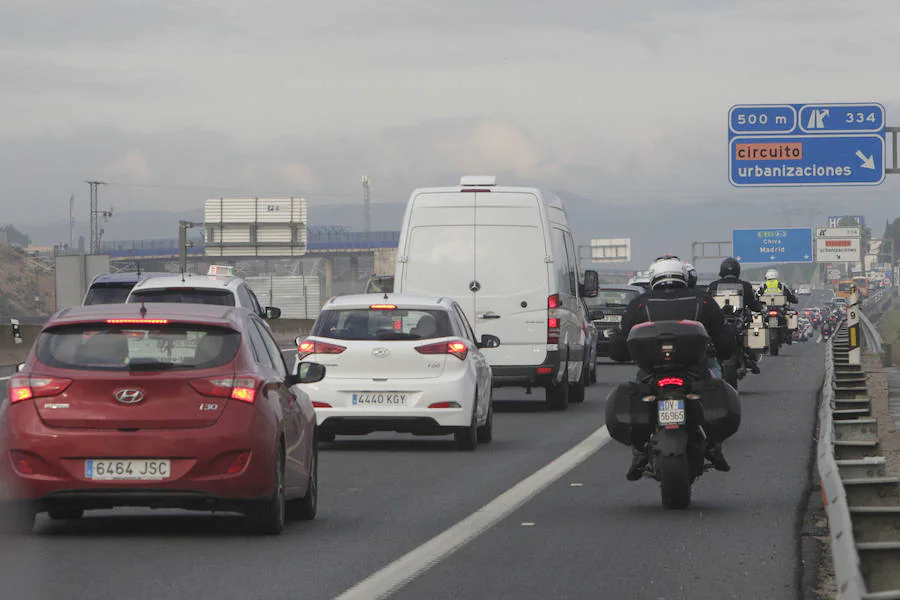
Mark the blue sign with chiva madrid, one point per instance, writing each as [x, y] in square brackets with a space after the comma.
[806, 144]
[790, 245]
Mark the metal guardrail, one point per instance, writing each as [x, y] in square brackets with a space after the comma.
[848, 575]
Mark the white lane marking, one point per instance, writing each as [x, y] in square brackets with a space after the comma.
[5, 378]
[406, 568]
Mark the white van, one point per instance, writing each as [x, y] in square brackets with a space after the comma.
[507, 256]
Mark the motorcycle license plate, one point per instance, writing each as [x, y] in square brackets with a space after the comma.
[773, 322]
[671, 412]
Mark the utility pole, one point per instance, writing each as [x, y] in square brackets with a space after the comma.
[95, 217]
[71, 222]
[366, 214]
[184, 244]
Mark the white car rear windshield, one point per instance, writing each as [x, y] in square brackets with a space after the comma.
[185, 296]
[108, 293]
[137, 347]
[375, 324]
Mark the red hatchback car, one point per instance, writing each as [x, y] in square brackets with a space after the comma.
[162, 406]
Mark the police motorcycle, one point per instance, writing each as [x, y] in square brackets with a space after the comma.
[674, 410]
[748, 327]
[781, 320]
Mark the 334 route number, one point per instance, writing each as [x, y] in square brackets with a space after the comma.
[859, 117]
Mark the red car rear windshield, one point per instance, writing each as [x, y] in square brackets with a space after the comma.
[137, 347]
[375, 324]
[185, 296]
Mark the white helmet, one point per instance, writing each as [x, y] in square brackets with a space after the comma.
[772, 274]
[668, 272]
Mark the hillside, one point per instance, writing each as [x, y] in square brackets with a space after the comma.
[21, 280]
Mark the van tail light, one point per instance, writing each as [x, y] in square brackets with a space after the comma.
[553, 301]
[242, 387]
[552, 330]
[456, 348]
[23, 387]
[308, 347]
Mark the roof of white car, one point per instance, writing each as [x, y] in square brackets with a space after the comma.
[218, 282]
[399, 300]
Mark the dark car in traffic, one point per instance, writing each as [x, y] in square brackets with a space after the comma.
[162, 406]
[607, 308]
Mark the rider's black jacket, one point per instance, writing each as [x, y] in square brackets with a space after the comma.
[749, 294]
[672, 305]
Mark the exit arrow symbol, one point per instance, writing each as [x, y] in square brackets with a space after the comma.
[868, 161]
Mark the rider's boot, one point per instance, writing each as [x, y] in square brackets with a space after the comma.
[638, 463]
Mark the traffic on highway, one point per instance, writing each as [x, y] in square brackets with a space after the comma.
[474, 429]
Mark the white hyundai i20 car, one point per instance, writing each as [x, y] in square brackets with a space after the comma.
[401, 363]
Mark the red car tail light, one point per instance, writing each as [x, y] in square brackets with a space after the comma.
[317, 404]
[137, 321]
[456, 348]
[22, 387]
[241, 388]
[238, 463]
[26, 463]
[308, 347]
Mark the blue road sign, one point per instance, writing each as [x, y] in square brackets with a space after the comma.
[806, 144]
[792, 245]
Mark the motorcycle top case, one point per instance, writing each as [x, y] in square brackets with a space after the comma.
[631, 421]
[656, 344]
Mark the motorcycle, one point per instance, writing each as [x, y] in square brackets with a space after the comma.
[674, 410]
[778, 321]
[730, 299]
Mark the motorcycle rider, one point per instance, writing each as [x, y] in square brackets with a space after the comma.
[670, 298]
[730, 273]
[773, 286]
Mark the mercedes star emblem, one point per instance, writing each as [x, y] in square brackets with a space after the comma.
[474, 286]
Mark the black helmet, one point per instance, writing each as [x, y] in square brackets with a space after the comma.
[730, 266]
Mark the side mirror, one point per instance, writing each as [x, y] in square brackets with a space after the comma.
[20, 366]
[272, 312]
[489, 341]
[306, 372]
[591, 284]
[298, 340]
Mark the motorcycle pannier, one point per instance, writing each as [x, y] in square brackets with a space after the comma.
[792, 320]
[629, 419]
[657, 344]
[756, 337]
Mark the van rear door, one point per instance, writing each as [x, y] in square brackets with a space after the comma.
[511, 276]
[439, 251]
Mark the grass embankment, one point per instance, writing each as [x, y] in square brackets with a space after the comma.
[889, 325]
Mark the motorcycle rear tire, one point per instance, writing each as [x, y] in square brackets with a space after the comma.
[774, 347]
[730, 374]
[674, 481]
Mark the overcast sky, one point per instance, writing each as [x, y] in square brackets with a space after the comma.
[619, 101]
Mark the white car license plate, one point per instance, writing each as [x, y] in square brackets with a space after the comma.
[388, 399]
[102, 469]
[671, 412]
